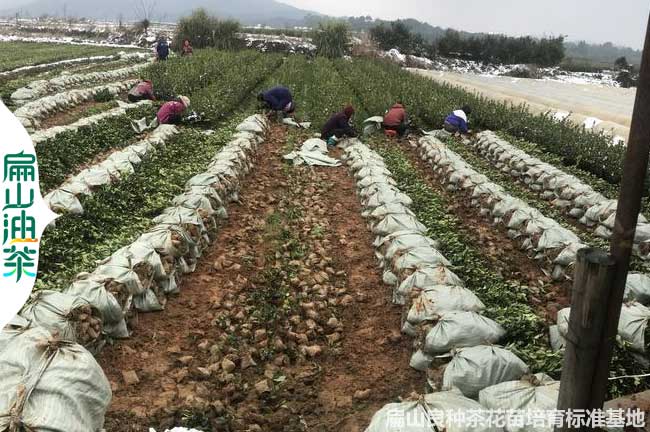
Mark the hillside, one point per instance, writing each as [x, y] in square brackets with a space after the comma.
[268, 12]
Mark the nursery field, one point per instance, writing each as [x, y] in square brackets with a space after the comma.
[202, 280]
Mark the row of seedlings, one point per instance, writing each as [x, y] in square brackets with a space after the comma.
[51, 133]
[82, 60]
[541, 237]
[50, 380]
[566, 192]
[443, 316]
[65, 198]
[31, 114]
[41, 88]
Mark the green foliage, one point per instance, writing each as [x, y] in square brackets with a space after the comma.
[204, 30]
[506, 300]
[69, 151]
[117, 214]
[379, 84]
[397, 35]
[17, 54]
[103, 96]
[215, 81]
[317, 88]
[332, 39]
[503, 49]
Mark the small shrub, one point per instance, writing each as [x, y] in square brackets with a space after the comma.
[103, 96]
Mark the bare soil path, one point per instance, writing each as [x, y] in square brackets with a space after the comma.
[285, 325]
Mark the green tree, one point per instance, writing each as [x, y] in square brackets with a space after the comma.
[332, 39]
[204, 30]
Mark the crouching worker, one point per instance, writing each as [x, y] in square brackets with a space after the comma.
[338, 126]
[278, 100]
[172, 112]
[457, 122]
[142, 91]
[396, 119]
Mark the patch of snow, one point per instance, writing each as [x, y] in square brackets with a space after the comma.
[619, 141]
[591, 122]
[561, 115]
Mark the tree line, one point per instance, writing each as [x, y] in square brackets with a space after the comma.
[484, 48]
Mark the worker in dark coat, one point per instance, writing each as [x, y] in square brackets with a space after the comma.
[458, 121]
[162, 49]
[278, 100]
[396, 119]
[338, 126]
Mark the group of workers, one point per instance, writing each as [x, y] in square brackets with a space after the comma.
[395, 121]
[279, 101]
[162, 49]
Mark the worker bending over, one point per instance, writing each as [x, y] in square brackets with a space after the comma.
[142, 91]
[172, 112]
[457, 122]
[338, 126]
[396, 119]
[278, 100]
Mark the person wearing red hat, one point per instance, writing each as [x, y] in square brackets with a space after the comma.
[338, 126]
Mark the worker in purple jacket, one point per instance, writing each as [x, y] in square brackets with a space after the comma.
[172, 112]
[458, 121]
[338, 126]
[278, 100]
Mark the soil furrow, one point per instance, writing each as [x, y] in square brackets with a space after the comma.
[285, 325]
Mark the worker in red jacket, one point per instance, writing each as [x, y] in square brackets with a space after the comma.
[142, 91]
[396, 119]
[338, 126]
[172, 112]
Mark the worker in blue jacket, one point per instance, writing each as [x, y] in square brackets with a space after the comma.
[458, 121]
[278, 100]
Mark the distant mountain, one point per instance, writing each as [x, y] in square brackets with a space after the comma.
[268, 12]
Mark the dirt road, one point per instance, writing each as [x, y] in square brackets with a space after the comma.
[612, 105]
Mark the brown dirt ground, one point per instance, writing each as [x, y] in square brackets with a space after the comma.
[498, 248]
[172, 352]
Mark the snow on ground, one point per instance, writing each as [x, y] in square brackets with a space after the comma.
[591, 122]
[606, 78]
[561, 115]
[62, 40]
[278, 43]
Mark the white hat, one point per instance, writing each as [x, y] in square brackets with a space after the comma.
[185, 100]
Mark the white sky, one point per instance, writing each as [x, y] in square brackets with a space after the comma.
[622, 22]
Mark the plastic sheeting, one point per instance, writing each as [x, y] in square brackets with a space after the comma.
[33, 112]
[535, 393]
[47, 385]
[565, 191]
[461, 329]
[313, 152]
[543, 238]
[430, 410]
[67, 316]
[65, 199]
[474, 369]
[40, 88]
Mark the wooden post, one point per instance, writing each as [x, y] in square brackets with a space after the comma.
[594, 275]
